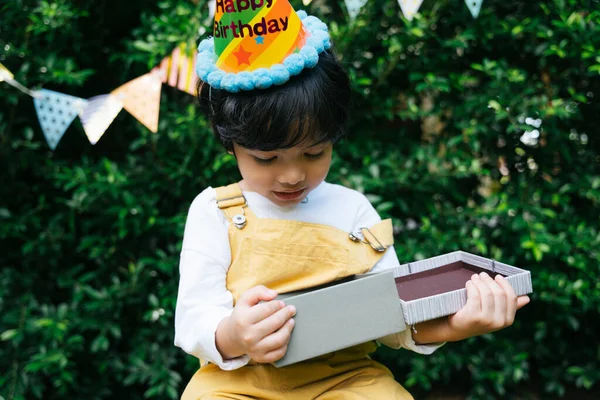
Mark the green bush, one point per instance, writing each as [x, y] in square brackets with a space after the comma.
[90, 235]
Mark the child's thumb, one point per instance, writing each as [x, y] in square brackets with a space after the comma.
[255, 295]
[522, 301]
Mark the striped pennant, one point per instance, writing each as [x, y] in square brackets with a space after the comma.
[178, 69]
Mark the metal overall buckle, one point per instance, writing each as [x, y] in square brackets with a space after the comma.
[359, 237]
[239, 220]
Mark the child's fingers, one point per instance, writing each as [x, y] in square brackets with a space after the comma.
[255, 295]
[473, 297]
[487, 297]
[499, 312]
[511, 298]
[277, 340]
[522, 301]
[274, 355]
[262, 311]
[274, 322]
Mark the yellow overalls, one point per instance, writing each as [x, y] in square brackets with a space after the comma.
[286, 256]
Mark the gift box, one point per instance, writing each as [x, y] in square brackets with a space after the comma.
[342, 314]
[371, 306]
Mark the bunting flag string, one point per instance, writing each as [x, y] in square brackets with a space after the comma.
[353, 7]
[410, 8]
[474, 6]
[141, 96]
[8, 77]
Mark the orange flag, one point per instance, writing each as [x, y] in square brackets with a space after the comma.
[141, 98]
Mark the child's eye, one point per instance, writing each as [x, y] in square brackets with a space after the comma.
[314, 156]
[264, 161]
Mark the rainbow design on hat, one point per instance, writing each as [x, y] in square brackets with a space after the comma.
[258, 44]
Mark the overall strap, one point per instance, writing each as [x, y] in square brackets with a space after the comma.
[232, 202]
[230, 196]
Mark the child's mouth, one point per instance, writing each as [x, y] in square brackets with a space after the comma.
[289, 196]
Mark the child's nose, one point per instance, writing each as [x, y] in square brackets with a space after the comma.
[292, 176]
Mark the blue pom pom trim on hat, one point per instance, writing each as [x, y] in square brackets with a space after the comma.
[263, 78]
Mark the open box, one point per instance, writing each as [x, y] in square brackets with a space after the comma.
[370, 306]
[435, 287]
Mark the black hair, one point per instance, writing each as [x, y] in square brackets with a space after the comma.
[311, 107]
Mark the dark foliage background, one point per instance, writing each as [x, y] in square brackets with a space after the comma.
[440, 141]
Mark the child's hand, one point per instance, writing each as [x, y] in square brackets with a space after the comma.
[491, 305]
[260, 330]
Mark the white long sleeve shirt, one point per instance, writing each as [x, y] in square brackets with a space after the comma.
[203, 299]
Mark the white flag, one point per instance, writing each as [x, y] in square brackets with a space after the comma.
[410, 8]
[100, 112]
[353, 7]
[212, 6]
[474, 7]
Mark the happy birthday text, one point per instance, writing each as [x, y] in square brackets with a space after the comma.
[241, 29]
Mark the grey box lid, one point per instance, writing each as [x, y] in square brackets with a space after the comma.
[342, 315]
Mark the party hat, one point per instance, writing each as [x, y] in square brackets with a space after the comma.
[259, 43]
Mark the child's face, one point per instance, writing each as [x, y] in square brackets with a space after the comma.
[284, 176]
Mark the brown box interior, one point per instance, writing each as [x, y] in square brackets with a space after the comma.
[439, 280]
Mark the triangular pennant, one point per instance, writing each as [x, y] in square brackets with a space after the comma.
[56, 111]
[5, 74]
[100, 112]
[162, 70]
[141, 98]
[353, 7]
[474, 7]
[410, 8]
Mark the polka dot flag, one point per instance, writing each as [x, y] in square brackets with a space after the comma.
[56, 111]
